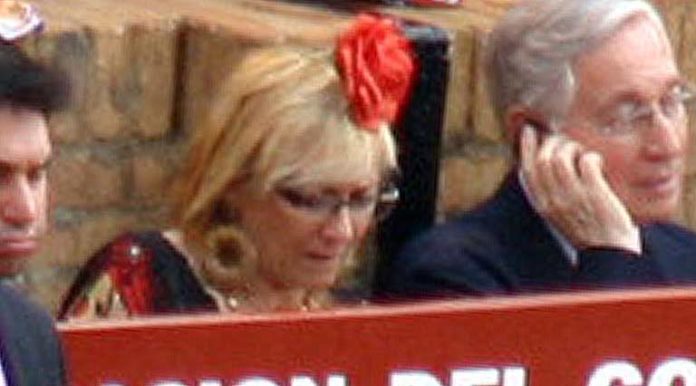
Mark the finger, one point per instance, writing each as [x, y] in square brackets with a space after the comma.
[591, 170]
[611, 213]
[547, 182]
[565, 168]
[605, 201]
[569, 207]
[528, 150]
[529, 147]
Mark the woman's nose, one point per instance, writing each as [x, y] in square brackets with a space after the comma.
[339, 227]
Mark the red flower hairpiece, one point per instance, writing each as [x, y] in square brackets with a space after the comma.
[377, 65]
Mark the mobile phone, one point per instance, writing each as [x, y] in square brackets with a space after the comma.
[541, 129]
[539, 126]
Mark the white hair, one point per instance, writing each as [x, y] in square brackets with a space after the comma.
[530, 54]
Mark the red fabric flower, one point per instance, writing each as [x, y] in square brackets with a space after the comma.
[377, 65]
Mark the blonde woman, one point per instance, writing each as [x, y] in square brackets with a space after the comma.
[280, 187]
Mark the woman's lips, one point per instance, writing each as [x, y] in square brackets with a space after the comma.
[322, 256]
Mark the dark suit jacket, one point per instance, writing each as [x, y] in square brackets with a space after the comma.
[505, 247]
[30, 349]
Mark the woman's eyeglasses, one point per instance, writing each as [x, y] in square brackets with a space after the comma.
[360, 205]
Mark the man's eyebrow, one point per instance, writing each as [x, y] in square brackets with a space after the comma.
[608, 105]
[631, 96]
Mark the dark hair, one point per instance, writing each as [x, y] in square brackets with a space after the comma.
[26, 83]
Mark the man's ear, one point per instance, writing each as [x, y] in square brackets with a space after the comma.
[516, 117]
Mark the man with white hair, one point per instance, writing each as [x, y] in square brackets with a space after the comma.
[591, 95]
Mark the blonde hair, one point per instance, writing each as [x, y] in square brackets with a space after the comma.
[280, 110]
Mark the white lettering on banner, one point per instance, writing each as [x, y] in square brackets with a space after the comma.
[668, 372]
[625, 373]
[413, 378]
[665, 374]
[332, 380]
[300, 380]
[610, 372]
[515, 376]
[481, 376]
[475, 377]
[256, 382]
[210, 382]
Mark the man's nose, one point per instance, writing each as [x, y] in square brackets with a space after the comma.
[339, 228]
[666, 139]
[19, 206]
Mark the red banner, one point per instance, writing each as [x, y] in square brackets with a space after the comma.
[630, 338]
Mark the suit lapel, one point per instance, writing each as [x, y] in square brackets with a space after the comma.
[675, 260]
[538, 258]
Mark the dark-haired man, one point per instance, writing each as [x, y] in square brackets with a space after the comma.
[29, 349]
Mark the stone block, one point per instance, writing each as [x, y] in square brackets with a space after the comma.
[84, 180]
[485, 123]
[460, 91]
[673, 13]
[210, 56]
[123, 80]
[691, 161]
[688, 67]
[145, 80]
[688, 46]
[59, 248]
[87, 56]
[70, 51]
[687, 213]
[152, 178]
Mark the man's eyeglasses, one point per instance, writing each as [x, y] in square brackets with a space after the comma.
[360, 205]
[633, 117]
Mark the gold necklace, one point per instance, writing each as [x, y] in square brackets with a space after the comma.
[236, 301]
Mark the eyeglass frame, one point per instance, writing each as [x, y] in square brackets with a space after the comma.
[323, 206]
[642, 115]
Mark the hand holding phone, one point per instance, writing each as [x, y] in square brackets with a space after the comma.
[568, 188]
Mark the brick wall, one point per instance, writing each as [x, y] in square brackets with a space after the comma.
[144, 74]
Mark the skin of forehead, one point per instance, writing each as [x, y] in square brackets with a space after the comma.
[24, 141]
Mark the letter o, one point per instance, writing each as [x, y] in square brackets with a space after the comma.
[623, 371]
[668, 371]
